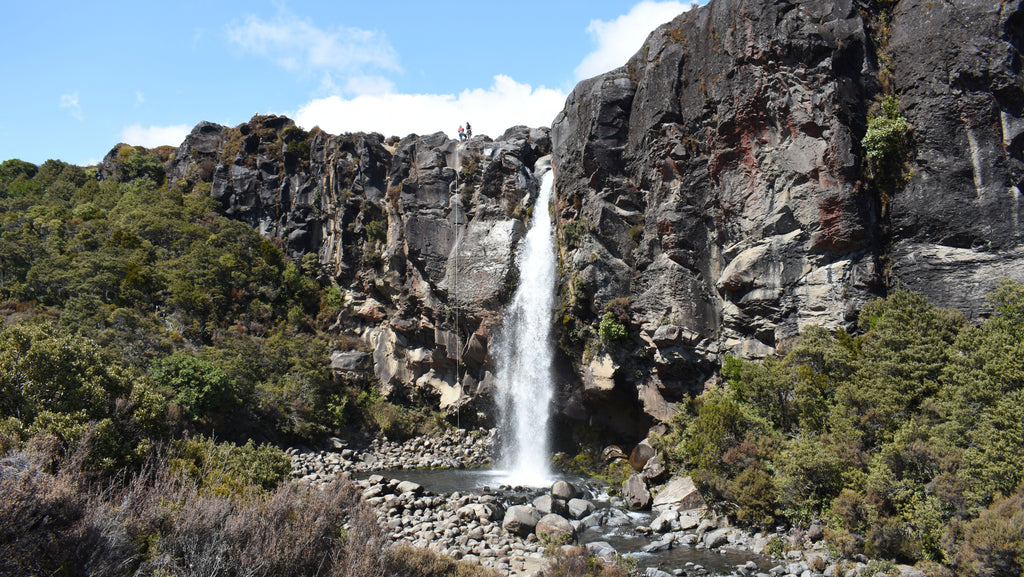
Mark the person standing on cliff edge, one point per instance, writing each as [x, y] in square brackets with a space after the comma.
[469, 131]
[462, 133]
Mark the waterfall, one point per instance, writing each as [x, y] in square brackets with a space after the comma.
[525, 352]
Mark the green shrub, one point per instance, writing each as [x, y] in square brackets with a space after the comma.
[377, 230]
[886, 145]
[200, 387]
[885, 139]
[137, 162]
[573, 233]
[610, 329]
[229, 469]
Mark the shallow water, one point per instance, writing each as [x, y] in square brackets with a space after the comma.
[625, 540]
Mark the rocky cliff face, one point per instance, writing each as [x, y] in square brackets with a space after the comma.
[390, 223]
[715, 187]
[713, 197]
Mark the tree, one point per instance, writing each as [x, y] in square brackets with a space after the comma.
[200, 387]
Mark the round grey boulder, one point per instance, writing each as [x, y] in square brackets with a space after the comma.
[580, 508]
[556, 528]
[564, 490]
[521, 520]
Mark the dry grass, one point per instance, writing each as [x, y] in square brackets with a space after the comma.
[160, 523]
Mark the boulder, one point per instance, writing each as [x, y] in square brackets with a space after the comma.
[666, 521]
[641, 453]
[546, 504]
[635, 493]
[613, 453]
[564, 490]
[555, 527]
[599, 375]
[409, 487]
[521, 520]
[681, 493]
[350, 361]
[654, 471]
[580, 508]
[602, 550]
[688, 520]
[480, 511]
[717, 538]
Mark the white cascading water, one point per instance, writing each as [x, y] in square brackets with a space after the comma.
[525, 353]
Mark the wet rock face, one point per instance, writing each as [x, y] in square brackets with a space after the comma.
[419, 234]
[719, 181]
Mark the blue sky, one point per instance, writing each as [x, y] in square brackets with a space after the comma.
[82, 76]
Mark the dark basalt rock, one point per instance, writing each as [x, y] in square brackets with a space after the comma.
[713, 192]
[723, 189]
[382, 219]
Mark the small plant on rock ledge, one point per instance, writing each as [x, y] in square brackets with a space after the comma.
[611, 329]
[886, 145]
[887, 132]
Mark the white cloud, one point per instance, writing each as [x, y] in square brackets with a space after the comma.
[154, 136]
[617, 40]
[490, 111]
[70, 102]
[298, 45]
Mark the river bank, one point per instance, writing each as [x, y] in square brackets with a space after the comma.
[459, 508]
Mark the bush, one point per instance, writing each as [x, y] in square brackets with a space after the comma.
[573, 233]
[406, 561]
[572, 561]
[228, 469]
[610, 329]
[377, 230]
[161, 523]
[200, 387]
[39, 515]
[993, 544]
[885, 138]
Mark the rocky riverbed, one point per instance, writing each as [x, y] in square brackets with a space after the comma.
[507, 528]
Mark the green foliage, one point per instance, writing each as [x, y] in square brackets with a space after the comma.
[229, 469]
[900, 436]
[886, 144]
[200, 387]
[887, 131]
[377, 230]
[133, 274]
[66, 388]
[43, 371]
[394, 420]
[137, 162]
[15, 178]
[573, 233]
[610, 329]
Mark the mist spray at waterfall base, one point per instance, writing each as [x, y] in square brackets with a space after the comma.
[525, 353]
